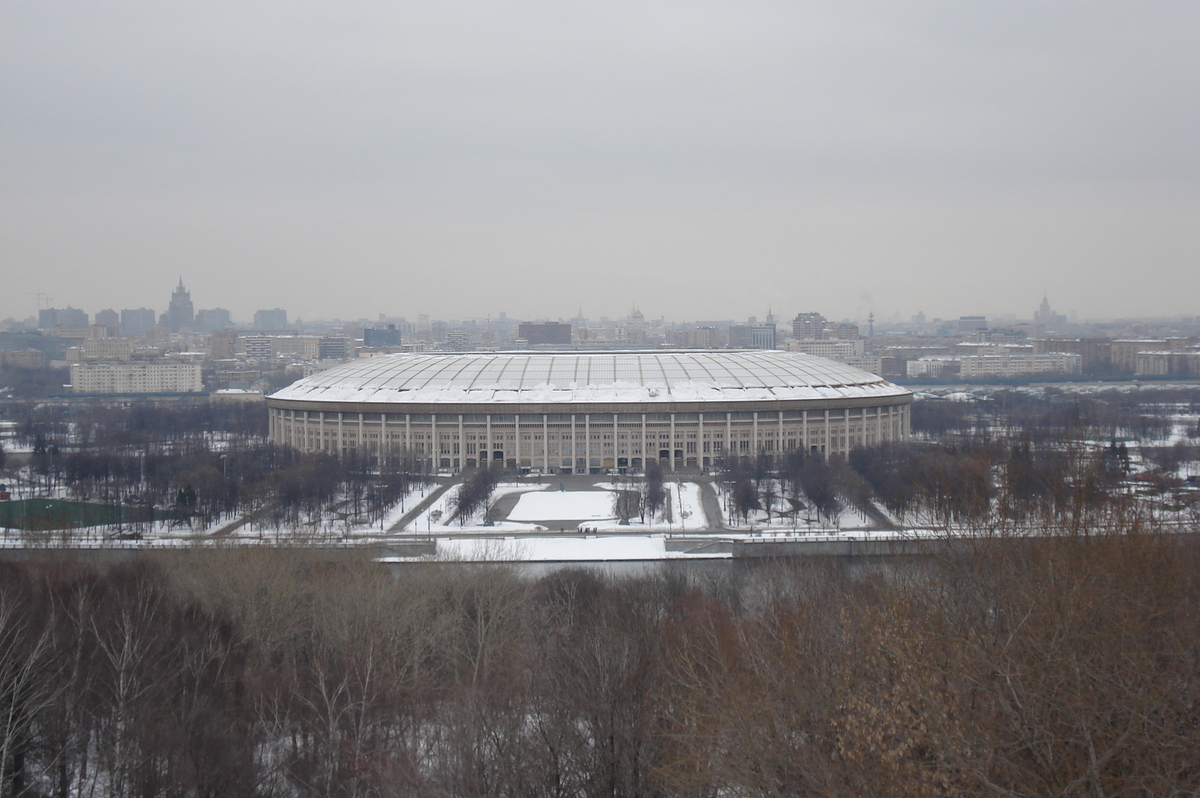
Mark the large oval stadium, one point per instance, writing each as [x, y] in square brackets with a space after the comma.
[586, 412]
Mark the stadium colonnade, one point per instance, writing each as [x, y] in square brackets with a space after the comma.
[588, 412]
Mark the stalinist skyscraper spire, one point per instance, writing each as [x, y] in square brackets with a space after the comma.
[180, 315]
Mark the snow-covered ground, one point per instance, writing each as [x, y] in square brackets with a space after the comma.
[437, 517]
[8, 438]
[1183, 425]
[685, 503]
[686, 511]
[576, 504]
[781, 518]
[538, 508]
[559, 549]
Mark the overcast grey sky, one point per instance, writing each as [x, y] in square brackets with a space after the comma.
[699, 159]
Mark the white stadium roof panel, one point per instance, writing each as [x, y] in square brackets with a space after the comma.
[574, 377]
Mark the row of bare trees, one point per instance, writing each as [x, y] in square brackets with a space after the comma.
[1058, 667]
[1056, 415]
[475, 493]
[645, 498]
[203, 484]
[968, 480]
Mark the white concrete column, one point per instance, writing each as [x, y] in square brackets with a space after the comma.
[488, 441]
[574, 450]
[587, 441]
[756, 446]
[643, 443]
[436, 459]
[341, 445]
[383, 437]
[779, 441]
[730, 448]
[828, 451]
[616, 443]
[545, 443]
[804, 431]
[672, 441]
[462, 444]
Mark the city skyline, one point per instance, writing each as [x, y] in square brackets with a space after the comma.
[278, 318]
[698, 160]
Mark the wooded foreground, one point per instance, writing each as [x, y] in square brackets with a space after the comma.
[1059, 667]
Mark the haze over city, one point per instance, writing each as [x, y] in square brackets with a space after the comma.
[696, 160]
[651, 400]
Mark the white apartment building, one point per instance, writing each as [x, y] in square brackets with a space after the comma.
[116, 349]
[303, 347]
[136, 378]
[1168, 364]
[826, 347]
[932, 366]
[257, 347]
[266, 347]
[872, 364]
[1005, 366]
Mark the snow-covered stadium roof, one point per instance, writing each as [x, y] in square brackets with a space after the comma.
[582, 377]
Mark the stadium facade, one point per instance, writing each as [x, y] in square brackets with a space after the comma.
[585, 412]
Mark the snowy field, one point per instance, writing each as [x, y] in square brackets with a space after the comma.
[687, 511]
[575, 505]
[538, 508]
[438, 516]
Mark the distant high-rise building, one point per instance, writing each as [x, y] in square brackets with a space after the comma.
[213, 320]
[136, 321]
[701, 337]
[968, 324]
[753, 336]
[808, 326]
[741, 336]
[56, 317]
[258, 347]
[550, 332]
[222, 344]
[180, 315]
[275, 319]
[107, 349]
[1046, 317]
[844, 331]
[108, 318]
[335, 347]
[762, 336]
[389, 336]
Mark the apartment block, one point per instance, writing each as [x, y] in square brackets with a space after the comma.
[136, 378]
